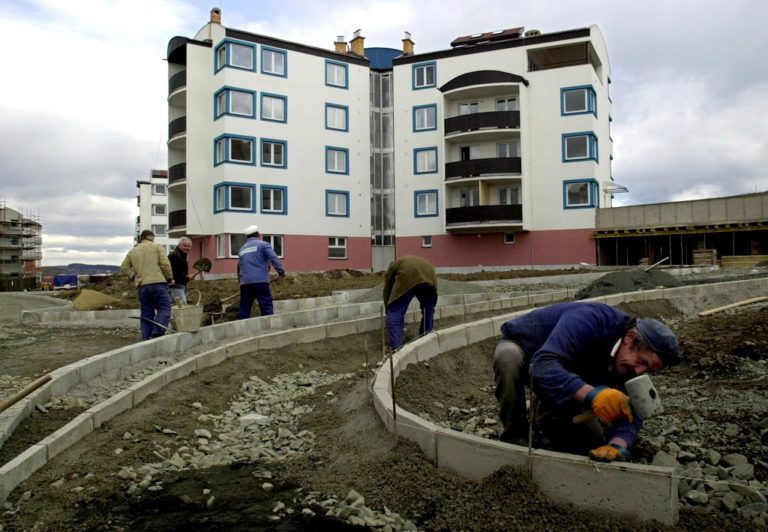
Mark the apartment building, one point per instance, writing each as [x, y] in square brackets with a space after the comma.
[491, 154]
[152, 201]
[20, 250]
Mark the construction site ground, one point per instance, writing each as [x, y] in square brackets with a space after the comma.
[716, 408]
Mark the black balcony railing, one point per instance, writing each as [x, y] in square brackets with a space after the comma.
[177, 172]
[484, 214]
[475, 167]
[177, 127]
[177, 81]
[177, 218]
[493, 119]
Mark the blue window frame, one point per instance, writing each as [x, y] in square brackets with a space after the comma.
[337, 74]
[336, 160]
[578, 100]
[274, 107]
[424, 75]
[580, 194]
[235, 54]
[274, 61]
[234, 197]
[274, 199]
[579, 147]
[425, 117]
[425, 203]
[234, 149]
[274, 153]
[336, 117]
[235, 102]
[337, 203]
[425, 160]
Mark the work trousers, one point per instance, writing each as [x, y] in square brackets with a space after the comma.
[553, 424]
[180, 291]
[255, 292]
[427, 297]
[156, 306]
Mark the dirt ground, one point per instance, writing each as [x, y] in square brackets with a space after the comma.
[715, 400]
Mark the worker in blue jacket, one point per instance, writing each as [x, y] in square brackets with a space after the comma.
[253, 264]
[576, 356]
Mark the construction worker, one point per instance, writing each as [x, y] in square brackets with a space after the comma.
[575, 355]
[406, 278]
[253, 264]
[147, 265]
[180, 267]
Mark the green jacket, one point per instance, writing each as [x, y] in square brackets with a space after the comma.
[404, 274]
[147, 263]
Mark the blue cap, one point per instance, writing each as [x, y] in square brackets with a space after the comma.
[660, 339]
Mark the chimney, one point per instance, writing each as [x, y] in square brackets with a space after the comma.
[340, 44]
[407, 44]
[216, 15]
[357, 44]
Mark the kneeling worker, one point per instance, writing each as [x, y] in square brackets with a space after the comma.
[575, 356]
[406, 278]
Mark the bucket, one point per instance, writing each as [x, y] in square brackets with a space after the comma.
[187, 318]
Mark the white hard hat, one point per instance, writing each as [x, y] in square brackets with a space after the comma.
[251, 229]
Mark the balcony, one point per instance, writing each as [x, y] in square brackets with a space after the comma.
[495, 217]
[177, 127]
[177, 219]
[476, 121]
[177, 172]
[477, 167]
[177, 81]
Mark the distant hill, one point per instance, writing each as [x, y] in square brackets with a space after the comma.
[80, 269]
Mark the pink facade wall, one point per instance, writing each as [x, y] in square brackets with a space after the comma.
[539, 248]
[302, 254]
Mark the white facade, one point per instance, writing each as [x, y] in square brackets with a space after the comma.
[153, 208]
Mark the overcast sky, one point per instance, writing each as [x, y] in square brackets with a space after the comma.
[83, 111]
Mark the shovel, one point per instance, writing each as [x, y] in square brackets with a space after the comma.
[201, 265]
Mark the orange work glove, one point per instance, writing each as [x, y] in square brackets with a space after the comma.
[609, 404]
[610, 453]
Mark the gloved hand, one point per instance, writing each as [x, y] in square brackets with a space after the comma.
[609, 404]
[611, 453]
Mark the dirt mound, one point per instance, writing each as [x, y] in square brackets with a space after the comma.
[92, 300]
[627, 281]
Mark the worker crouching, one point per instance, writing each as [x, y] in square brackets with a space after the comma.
[406, 278]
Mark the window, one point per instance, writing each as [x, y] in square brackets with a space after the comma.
[158, 209]
[236, 241]
[276, 241]
[580, 193]
[506, 104]
[425, 203]
[336, 117]
[579, 147]
[424, 117]
[509, 238]
[469, 153]
[337, 247]
[159, 190]
[274, 61]
[273, 153]
[221, 246]
[235, 102]
[234, 149]
[336, 74]
[509, 196]
[159, 230]
[508, 149]
[424, 75]
[336, 160]
[578, 101]
[425, 160]
[235, 55]
[469, 197]
[273, 199]
[234, 197]
[468, 108]
[273, 107]
[337, 203]
[426, 241]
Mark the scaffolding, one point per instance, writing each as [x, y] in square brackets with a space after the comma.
[20, 249]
